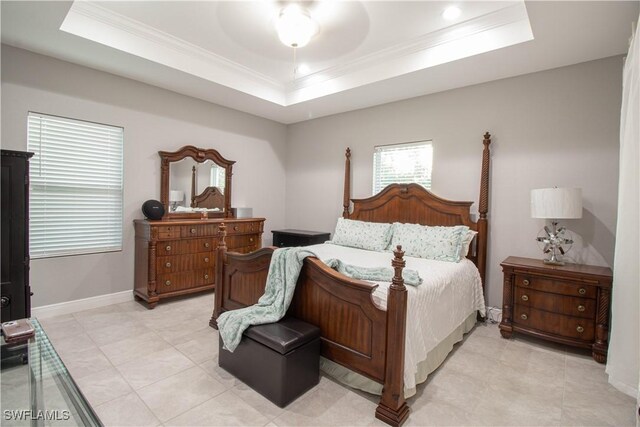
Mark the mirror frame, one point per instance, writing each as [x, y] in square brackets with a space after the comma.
[199, 155]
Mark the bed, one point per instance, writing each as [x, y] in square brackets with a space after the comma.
[358, 331]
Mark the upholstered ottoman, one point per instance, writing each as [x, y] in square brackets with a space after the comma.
[281, 361]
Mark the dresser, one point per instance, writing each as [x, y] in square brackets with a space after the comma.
[568, 304]
[288, 237]
[178, 257]
[16, 292]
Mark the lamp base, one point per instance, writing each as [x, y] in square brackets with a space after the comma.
[553, 262]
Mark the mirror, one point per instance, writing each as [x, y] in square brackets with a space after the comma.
[195, 183]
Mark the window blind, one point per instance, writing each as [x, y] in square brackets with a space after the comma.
[76, 186]
[402, 163]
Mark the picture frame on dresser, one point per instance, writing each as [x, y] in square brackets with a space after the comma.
[568, 304]
[177, 255]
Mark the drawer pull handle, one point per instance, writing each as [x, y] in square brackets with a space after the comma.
[525, 298]
[168, 265]
[206, 245]
[193, 231]
[206, 259]
[251, 239]
[582, 291]
[168, 248]
[235, 228]
[580, 329]
[526, 282]
[206, 276]
[581, 308]
[524, 316]
[167, 283]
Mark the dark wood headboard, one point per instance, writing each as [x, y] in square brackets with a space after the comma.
[412, 203]
[210, 198]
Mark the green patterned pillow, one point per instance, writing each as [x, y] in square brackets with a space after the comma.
[437, 243]
[373, 236]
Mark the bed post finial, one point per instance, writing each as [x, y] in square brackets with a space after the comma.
[392, 408]
[221, 250]
[483, 209]
[347, 183]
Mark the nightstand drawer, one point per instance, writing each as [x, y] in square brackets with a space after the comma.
[573, 306]
[288, 238]
[544, 284]
[558, 324]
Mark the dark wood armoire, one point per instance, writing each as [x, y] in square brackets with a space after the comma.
[14, 204]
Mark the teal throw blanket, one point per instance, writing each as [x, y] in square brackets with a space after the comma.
[374, 274]
[284, 270]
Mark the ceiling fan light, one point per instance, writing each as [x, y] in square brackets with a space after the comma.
[451, 13]
[295, 27]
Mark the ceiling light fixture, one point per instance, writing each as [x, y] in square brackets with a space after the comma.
[451, 13]
[295, 26]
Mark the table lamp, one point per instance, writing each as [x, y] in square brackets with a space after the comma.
[554, 204]
[175, 197]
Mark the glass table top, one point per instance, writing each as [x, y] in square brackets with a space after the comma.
[37, 389]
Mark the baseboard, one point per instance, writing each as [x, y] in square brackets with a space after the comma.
[69, 307]
[625, 388]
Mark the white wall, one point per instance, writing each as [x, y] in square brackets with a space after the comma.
[552, 128]
[153, 119]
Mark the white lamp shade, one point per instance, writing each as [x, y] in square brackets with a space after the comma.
[176, 195]
[295, 27]
[556, 203]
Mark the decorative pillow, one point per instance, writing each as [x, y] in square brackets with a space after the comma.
[437, 243]
[466, 243]
[373, 236]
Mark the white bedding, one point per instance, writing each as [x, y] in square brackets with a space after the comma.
[449, 294]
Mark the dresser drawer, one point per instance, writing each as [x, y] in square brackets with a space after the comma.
[245, 240]
[199, 230]
[188, 246]
[573, 306]
[558, 324]
[187, 262]
[184, 280]
[544, 284]
[169, 232]
[242, 227]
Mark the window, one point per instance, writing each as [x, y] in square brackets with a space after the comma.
[75, 202]
[217, 177]
[402, 163]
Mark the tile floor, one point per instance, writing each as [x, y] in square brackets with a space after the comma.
[159, 367]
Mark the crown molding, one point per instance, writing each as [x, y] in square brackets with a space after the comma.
[460, 31]
[94, 22]
[504, 27]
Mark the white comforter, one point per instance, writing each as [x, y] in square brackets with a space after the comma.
[449, 294]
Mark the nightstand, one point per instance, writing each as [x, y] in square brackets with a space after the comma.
[568, 304]
[286, 238]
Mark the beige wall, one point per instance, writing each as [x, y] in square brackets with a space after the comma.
[153, 119]
[552, 128]
[558, 127]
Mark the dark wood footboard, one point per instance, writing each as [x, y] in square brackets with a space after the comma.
[355, 331]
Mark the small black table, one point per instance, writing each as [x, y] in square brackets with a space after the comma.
[288, 237]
